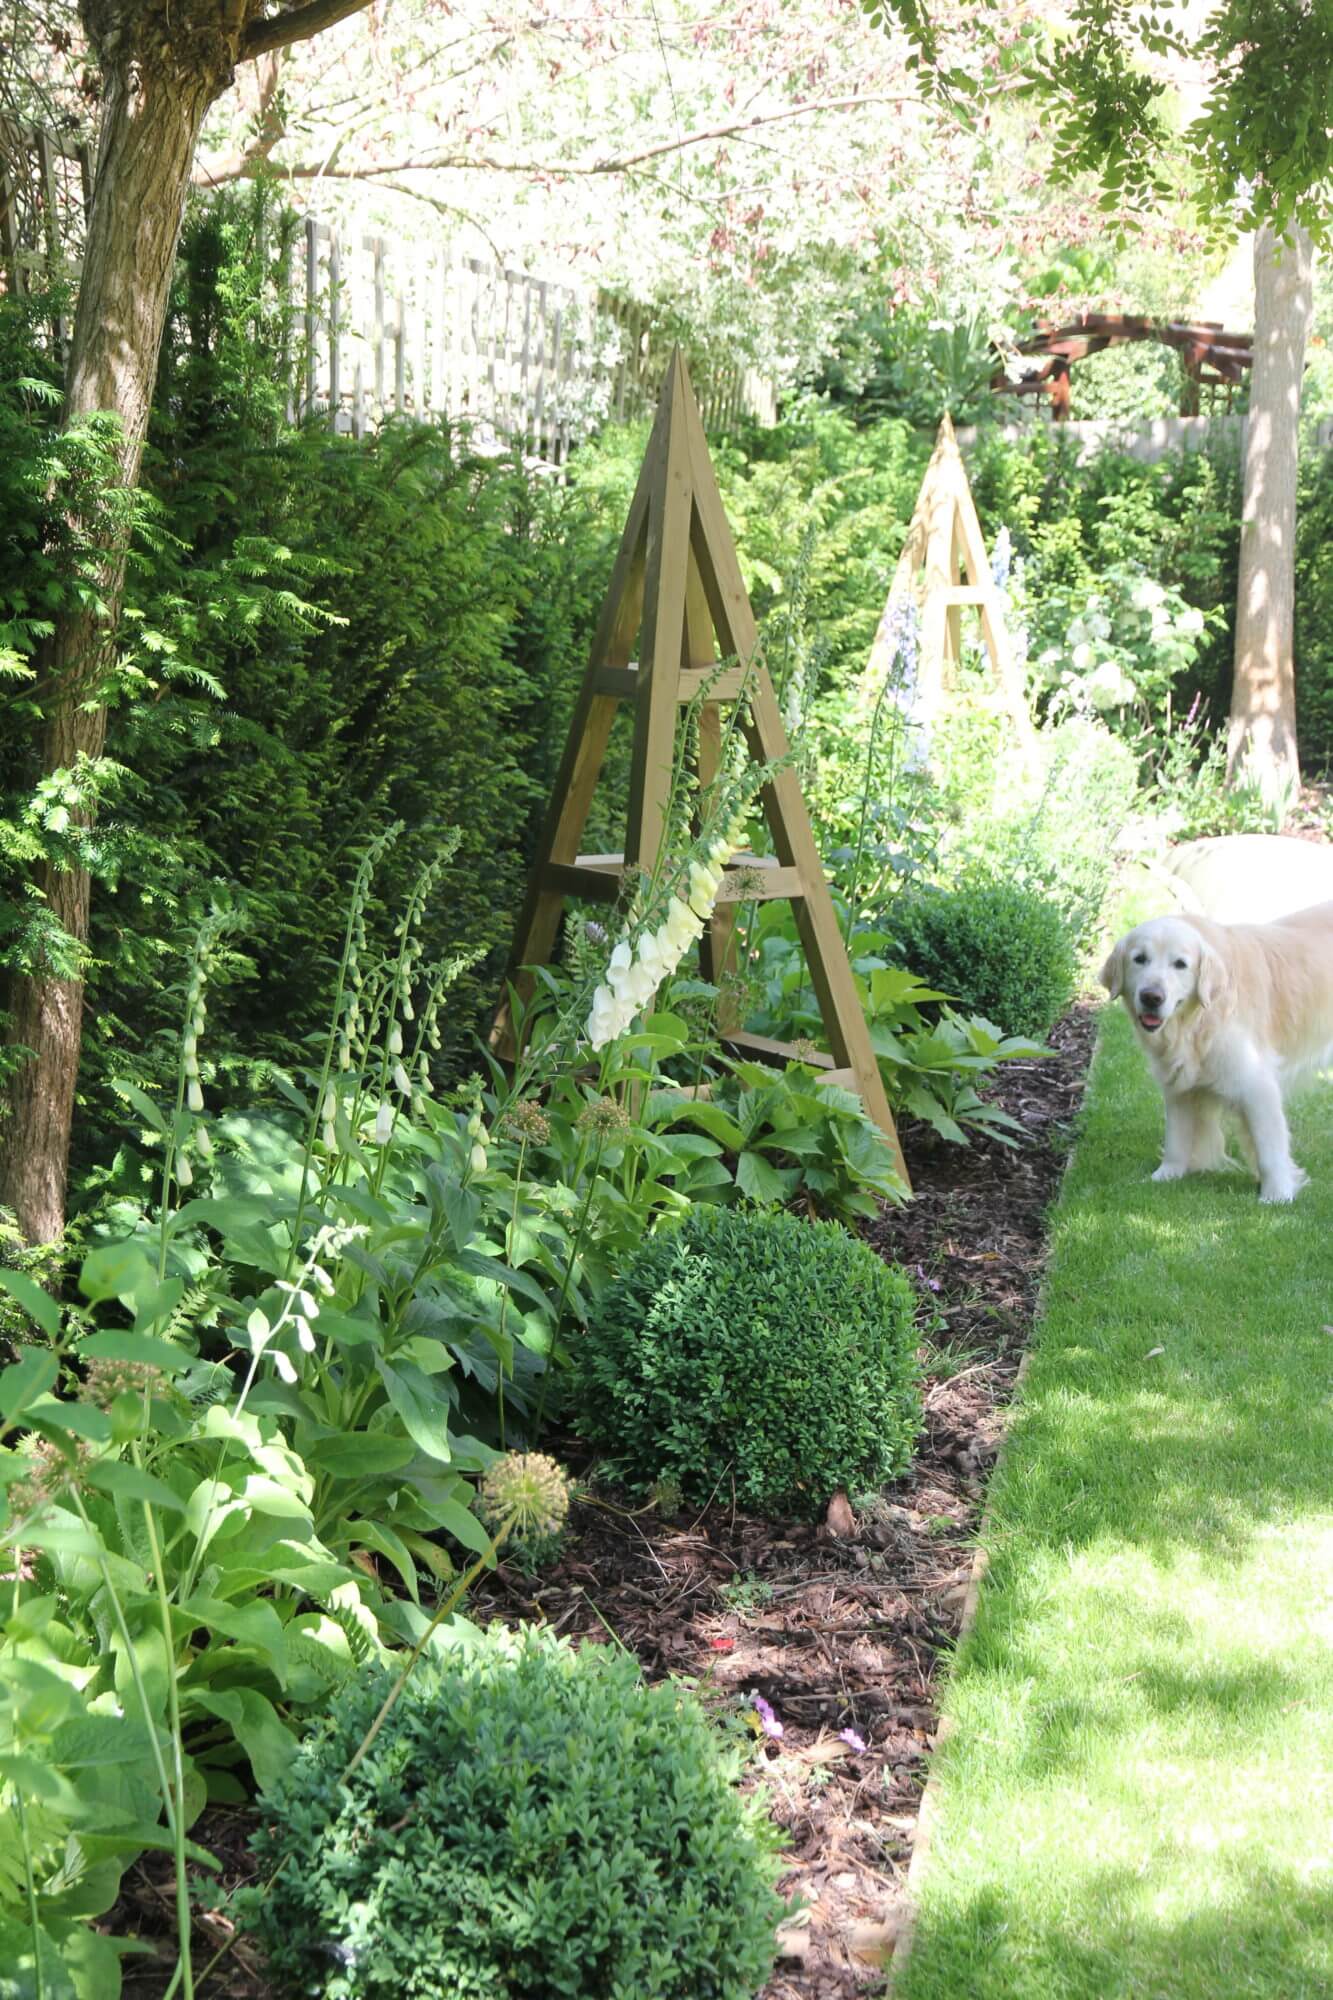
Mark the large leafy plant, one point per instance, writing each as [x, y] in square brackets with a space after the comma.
[931, 1057]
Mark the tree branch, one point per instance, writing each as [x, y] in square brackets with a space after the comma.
[298, 24]
[375, 170]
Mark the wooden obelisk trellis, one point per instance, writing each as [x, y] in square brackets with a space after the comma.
[677, 590]
[943, 568]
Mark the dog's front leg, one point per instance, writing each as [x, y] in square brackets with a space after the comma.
[1178, 1148]
[1280, 1179]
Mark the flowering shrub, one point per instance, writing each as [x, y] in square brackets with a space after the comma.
[1123, 646]
[531, 1822]
[750, 1352]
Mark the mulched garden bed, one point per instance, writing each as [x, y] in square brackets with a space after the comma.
[838, 1626]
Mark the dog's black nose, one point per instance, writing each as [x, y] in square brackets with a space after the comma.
[1150, 998]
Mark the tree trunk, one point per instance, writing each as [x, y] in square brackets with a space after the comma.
[1261, 741]
[156, 91]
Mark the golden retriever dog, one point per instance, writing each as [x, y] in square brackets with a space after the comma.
[1229, 1017]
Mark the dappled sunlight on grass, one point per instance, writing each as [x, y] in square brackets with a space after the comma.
[1138, 1793]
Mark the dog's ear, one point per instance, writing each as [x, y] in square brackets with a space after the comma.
[1112, 974]
[1214, 980]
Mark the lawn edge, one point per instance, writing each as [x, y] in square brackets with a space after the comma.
[928, 1813]
[929, 1810]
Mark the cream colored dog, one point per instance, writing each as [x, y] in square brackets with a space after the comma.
[1229, 1016]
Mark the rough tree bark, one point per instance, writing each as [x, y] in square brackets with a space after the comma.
[1261, 741]
[161, 67]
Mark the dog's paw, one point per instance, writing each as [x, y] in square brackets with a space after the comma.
[1166, 1173]
[1284, 1186]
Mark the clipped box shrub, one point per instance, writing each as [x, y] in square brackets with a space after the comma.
[750, 1351]
[998, 949]
[530, 1823]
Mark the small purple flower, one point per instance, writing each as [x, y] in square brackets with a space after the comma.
[931, 1284]
[851, 1739]
[595, 932]
[768, 1722]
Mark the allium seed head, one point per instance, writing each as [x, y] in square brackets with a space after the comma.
[603, 1119]
[525, 1492]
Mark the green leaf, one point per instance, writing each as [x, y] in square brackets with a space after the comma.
[426, 1420]
[265, 1739]
[714, 1119]
[152, 1114]
[118, 1346]
[58, 1413]
[359, 1454]
[374, 1535]
[478, 1265]
[27, 1378]
[762, 1182]
[118, 1271]
[255, 1626]
[130, 1482]
[458, 1521]
[40, 1307]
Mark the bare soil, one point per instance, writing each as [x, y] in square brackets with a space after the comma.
[839, 1626]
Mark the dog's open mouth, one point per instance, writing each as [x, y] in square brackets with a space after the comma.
[1150, 1021]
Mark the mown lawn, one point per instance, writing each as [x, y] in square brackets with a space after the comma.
[1138, 1796]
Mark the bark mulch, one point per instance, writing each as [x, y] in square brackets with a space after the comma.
[839, 1626]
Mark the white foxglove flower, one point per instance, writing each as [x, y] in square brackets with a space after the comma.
[682, 926]
[305, 1335]
[330, 1105]
[402, 1081]
[641, 985]
[329, 1136]
[309, 1304]
[395, 1040]
[283, 1366]
[190, 1045]
[184, 1171]
[650, 955]
[477, 1158]
[384, 1125]
[194, 1096]
[602, 1021]
[203, 1144]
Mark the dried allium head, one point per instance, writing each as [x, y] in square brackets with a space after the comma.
[52, 1471]
[525, 1493]
[746, 883]
[105, 1380]
[604, 1119]
[805, 1050]
[527, 1121]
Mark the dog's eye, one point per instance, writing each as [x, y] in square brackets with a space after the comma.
[1140, 958]
[1181, 964]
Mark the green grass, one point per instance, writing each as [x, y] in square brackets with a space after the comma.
[1138, 1796]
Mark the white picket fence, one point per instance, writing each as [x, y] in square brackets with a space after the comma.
[380, 327]
[393, 329]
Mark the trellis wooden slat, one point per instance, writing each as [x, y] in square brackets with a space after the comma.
[677, 588]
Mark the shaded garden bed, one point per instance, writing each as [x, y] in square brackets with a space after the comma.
[839, 1626]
